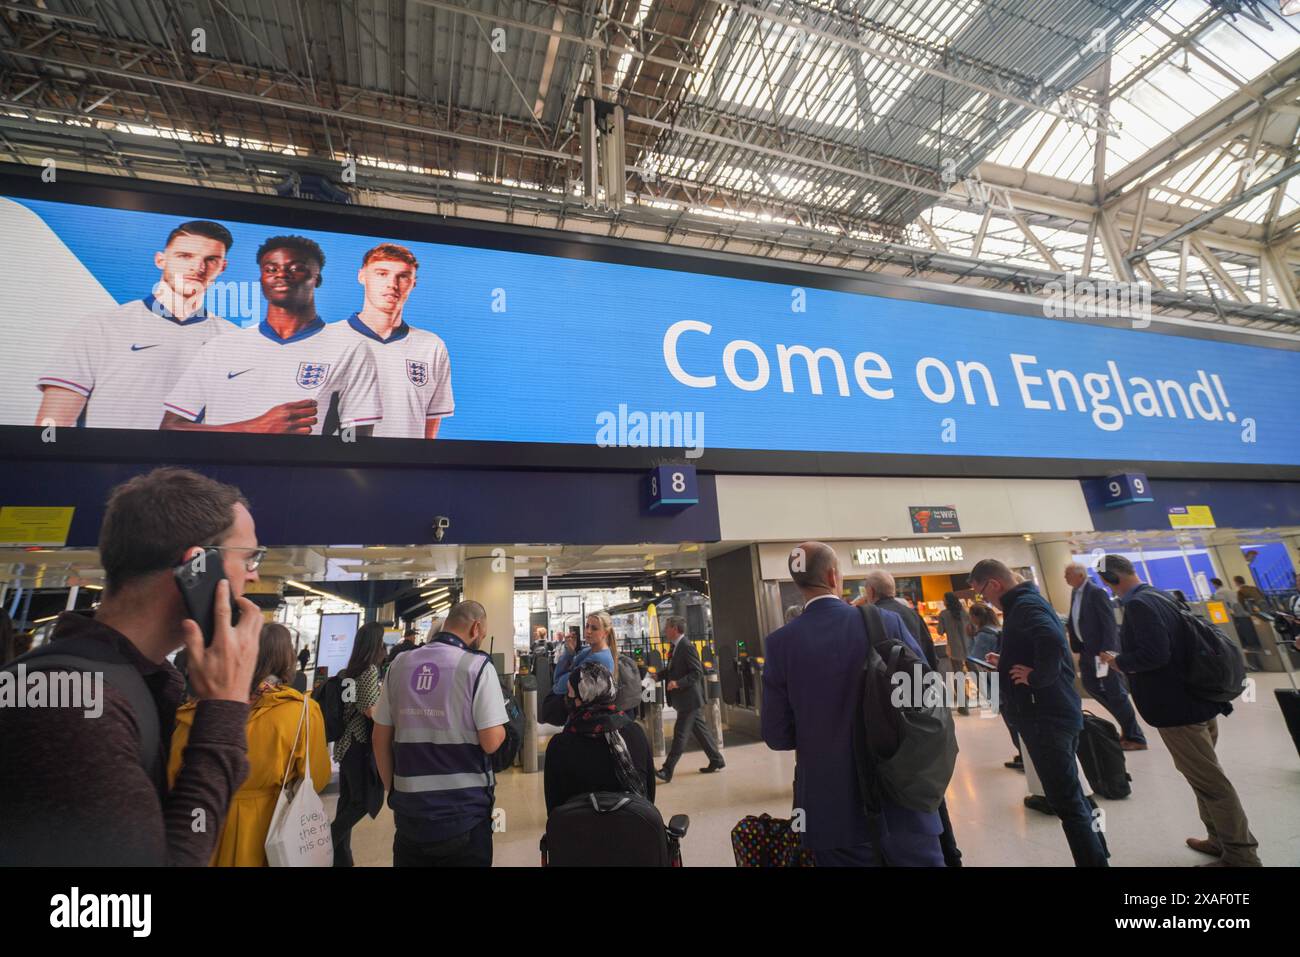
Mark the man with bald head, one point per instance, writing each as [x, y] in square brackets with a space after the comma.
[1092, 627]
[811, 704]
[882, 591]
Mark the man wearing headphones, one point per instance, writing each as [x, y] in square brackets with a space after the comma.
[1153, 654]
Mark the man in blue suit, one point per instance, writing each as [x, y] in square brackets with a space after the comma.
[811, 700]
[1092, 626]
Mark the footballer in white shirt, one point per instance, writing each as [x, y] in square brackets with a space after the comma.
[117, 366]
[414, 369]
[290, 374]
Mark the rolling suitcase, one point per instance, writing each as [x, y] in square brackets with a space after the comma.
[1103, 758]
[611, 829]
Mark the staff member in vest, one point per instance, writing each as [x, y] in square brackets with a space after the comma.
[685, 687]
[1092, 626]
[440, 715]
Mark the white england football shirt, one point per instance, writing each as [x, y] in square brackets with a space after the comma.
[124, 361]
[248, 372]
[414, 378]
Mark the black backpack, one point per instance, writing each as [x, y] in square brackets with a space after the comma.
[905, 754]
[1103, 758]
[629, 684]
[1215, 669]
[330, 698]
[504, 756]
[93, 655]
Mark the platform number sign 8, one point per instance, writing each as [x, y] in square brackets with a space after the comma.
[673, 487]
[1127, 488]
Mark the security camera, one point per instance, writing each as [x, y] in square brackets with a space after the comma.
[440, 525]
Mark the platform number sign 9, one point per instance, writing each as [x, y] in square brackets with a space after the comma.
[1125, 488]
[673, 488]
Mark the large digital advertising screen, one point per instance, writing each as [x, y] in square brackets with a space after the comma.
[117, 318]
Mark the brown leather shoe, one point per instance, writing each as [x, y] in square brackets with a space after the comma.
[1205, 846]
[1128, 745]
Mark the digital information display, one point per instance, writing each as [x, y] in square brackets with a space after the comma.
[338, 632]
[454, 343]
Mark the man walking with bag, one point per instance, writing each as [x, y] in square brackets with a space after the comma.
[685, 687]
[1154, 654]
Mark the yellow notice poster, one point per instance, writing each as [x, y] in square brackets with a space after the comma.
[1218, 612]
[1191, 516]
[32, 525]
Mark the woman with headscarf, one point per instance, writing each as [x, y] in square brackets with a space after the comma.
[599, 749]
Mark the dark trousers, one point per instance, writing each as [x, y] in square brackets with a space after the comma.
[356, 770]
[1054, 749]
[901, 850]
[948, 840]
[1111, 694]
[691, 722]
[1015, 738]
[471, 849]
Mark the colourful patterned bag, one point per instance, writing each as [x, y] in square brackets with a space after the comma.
[765, 841]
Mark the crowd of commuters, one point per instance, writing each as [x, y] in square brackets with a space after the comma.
[427, 725]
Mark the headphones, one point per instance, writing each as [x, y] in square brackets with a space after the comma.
[1103, 569]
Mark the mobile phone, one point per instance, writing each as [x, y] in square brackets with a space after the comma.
[981, 663]
[197, 580]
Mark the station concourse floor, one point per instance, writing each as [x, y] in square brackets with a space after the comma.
[992, 826]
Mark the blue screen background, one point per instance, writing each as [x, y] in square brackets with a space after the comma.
[579, 338]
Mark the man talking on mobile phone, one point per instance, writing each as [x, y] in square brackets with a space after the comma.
[84, 785]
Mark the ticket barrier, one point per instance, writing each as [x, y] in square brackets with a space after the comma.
[653, 709]
[713, 700]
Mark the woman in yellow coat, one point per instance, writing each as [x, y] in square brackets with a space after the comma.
[273, 724]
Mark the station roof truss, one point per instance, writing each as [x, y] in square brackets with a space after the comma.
[994, 143]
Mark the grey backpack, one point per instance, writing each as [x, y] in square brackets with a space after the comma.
[628, 695]
[905, 753]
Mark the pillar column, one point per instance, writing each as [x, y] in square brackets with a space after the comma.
[1230, 559]
[1052, 559]
[490, 581]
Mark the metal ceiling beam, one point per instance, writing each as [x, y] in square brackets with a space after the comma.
[288, 105]
[861, 46]
[590, 43]
[1210, 215]
[1233, 113]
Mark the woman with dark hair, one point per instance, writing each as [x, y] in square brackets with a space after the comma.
[360, 790]
[277, 741]
[8, 639]
[600, 749]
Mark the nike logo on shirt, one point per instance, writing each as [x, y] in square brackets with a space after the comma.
[135, 348]
[231, 375]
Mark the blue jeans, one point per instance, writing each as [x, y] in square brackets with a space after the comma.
[1053, 749]
[1111, 694]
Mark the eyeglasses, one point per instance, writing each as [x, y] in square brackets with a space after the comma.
[252, 562]
[979, 592]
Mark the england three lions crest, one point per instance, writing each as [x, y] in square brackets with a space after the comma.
[312, 374]
[417, 372]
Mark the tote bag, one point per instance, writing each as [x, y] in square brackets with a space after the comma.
[299, 835]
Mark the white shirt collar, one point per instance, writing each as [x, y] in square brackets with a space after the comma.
[818, 598]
